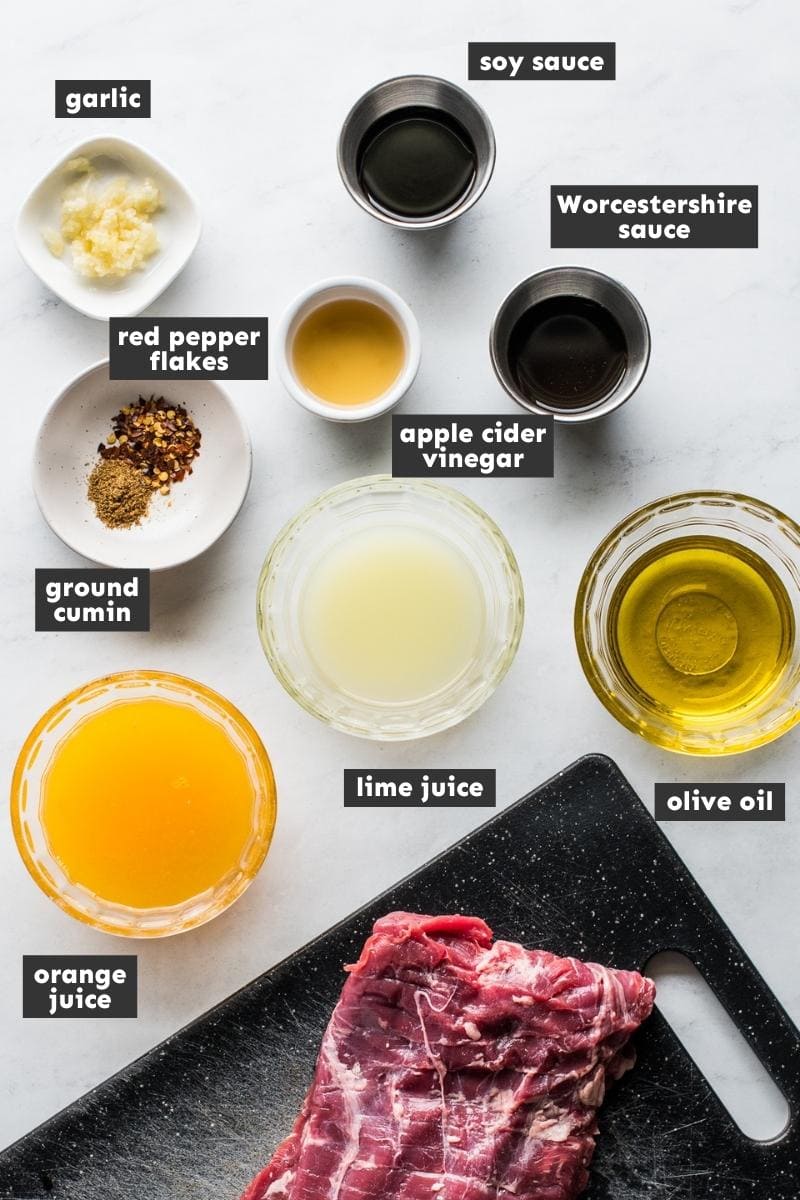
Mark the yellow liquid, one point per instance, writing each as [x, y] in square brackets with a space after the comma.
[348, 352]
[701, 626]
[147, 803]
[392, 615]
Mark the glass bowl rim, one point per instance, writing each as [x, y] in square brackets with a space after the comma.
[673, 501]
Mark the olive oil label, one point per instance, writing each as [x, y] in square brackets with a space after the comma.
[720, 802]
[85, 598]
[542, 60]
[439, 788]
[187, 348]
[79, 985]
[102, 97]
[704, 217]
[464, 447]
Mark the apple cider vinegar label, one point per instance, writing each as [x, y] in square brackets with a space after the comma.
[464, 447]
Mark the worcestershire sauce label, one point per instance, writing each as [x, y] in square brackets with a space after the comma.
[79, 985]
[464, 447]
[102, 97]
[419, 789]
[710, 217]
[188, 348]
[542, 60]
[83, 598]
[720, 802]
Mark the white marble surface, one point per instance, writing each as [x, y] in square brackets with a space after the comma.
[247, 101]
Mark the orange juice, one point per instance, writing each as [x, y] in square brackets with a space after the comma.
[147, 803]
[140, 793]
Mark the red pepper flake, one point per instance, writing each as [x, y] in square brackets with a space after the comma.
[159, 439]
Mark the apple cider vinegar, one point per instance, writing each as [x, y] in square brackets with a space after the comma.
[348, 352]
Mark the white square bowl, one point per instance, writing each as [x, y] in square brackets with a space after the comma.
[177, 223]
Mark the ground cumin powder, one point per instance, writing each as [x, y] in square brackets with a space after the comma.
[120, 495]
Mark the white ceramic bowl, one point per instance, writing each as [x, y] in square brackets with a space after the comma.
[348, 287]
[179, 526]
[177, 223]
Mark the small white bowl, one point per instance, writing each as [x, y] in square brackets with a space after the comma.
[179, 526]
[178, 226]
[348, 287]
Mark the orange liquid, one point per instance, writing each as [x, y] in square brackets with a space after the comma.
[148, 803]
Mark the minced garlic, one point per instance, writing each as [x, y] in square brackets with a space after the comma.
[54, 242]
[106, 226]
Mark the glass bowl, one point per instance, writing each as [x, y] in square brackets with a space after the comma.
[751, 524]
[27, 794]
[370, 504]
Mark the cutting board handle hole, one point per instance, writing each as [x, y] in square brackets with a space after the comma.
[733, 1070]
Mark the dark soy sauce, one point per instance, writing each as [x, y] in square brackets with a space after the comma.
[567, 352]
[416, 162]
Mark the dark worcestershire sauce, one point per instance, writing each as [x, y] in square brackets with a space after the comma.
[416, 162]
[567, 352]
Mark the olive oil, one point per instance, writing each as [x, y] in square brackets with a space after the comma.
[416, 162]
[567, 352]
[701, 627]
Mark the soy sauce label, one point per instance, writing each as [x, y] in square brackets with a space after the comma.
[720, 801]
[79, 985]
[466, 447]
[542, 60]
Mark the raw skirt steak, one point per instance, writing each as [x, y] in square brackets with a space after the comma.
[458, 1068]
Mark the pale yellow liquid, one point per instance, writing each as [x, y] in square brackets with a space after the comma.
[392, 615]
[348, 352]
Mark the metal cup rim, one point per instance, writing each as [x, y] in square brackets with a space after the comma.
[631, 378]
[487, 163]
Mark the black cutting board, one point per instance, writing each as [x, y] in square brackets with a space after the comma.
[578, 867]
